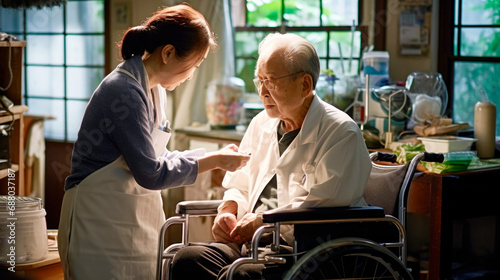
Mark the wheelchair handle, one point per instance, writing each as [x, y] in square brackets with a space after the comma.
[433, 157]
[390, 157]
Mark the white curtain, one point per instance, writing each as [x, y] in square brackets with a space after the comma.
[189, 98]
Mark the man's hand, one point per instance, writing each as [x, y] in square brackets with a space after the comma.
[225, 222]
[246, 227]
[223, 225]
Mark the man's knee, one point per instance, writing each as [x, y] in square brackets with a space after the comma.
[199, 262]
[188, 256]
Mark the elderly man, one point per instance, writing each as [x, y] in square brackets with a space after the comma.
[304, 153]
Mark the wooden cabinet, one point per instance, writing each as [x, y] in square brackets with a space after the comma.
[11, 62]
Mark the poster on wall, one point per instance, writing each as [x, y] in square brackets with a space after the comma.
[414, 28]
[122, 14]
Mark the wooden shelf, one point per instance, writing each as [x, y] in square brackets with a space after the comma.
[51, 258]
[17, 110]
[5, 172]
[47, 269]
[14, 44]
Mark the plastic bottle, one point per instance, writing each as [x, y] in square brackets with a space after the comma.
[484, 129]
[376, 64]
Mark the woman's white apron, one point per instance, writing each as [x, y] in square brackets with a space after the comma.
[110, 225]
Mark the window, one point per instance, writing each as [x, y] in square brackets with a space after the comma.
[332, 26]
[469, 57]
[64, 60]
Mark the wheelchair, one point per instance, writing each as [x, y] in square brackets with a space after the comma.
[329, 242]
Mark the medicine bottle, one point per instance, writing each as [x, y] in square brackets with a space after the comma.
[484, 129]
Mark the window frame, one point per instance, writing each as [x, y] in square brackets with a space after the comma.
[446, 56]
[364, 30]
[26, 96]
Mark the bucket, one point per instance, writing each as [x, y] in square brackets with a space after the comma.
[376, 64]
[23, 230]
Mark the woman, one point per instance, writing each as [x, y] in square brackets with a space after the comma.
[112, 208]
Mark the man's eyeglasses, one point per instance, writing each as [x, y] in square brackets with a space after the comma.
[270, 84]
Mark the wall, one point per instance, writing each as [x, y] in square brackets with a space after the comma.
[400, 66]
[139, 11]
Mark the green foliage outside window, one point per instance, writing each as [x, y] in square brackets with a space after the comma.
[481, 40]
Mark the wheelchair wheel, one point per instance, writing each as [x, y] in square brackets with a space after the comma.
[348, 258]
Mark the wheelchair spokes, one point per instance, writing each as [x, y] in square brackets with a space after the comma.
[339, 260]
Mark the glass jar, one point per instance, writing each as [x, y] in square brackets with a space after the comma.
[325, 88]
[225, 98]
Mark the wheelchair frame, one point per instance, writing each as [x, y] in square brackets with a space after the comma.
[273, 219]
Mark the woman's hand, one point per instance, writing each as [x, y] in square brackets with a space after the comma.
[228, 159]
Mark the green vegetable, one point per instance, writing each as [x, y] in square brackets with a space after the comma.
[406, 152]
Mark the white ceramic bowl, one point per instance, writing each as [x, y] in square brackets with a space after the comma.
[446, 144]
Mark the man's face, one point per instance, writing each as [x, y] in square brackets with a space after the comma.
[279, 90]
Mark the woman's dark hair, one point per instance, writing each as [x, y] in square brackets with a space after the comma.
[180, 26]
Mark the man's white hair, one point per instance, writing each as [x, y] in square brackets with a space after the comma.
[299, 54]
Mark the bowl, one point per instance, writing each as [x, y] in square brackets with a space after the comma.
[446, 144]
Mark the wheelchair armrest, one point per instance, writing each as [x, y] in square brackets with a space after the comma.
[198, 207]
[322, 213]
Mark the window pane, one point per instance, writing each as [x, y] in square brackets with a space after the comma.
[247, 43]
[343, 48]
[11, 20]
[45, 20]
[340, 12]
[455, 41]
[45, 81]
[85, 16]
[322, 64]
[343, 67]
[83, 81]
[469, 79]
[479, 12]
[245, 69]
[54, 129]
[480, 42]
[348, 46]
[264, 13]
[318, 39]
[84, 50]
[45, 49]
[302, 12]
[75, 116]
